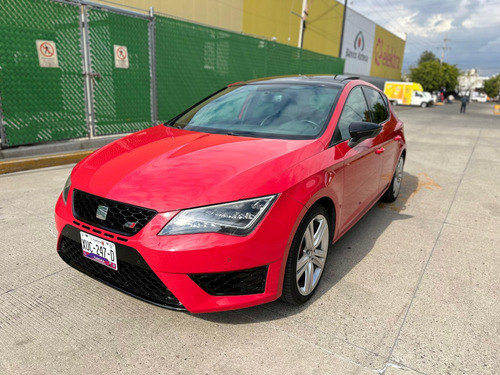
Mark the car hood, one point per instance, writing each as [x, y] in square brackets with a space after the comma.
[169, 169]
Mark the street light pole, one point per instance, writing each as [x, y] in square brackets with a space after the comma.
[303, 16]
[444, 48]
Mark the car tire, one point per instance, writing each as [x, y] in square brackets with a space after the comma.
[307, 256]
[392, 193]
[423, 104]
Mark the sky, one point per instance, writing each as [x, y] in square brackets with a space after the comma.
[468, 30]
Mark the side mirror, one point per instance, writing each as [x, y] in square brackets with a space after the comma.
[360, 131]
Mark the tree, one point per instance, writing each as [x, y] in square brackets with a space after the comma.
[427, 56]
[433, 77]
[427, 74]
[492, 86]
[449, 76]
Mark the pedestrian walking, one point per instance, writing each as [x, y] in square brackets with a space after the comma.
[464, 99]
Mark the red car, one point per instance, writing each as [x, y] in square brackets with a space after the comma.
[234, 202]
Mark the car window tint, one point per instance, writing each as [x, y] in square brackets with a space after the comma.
[355, 109]
[220, 110]
[270, 111]
[377, 105]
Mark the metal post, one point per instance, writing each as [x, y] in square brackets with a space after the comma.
[303, 16]
[3, 135]
[444, 48]
[343, 28]
[87, 71]
[152, 64]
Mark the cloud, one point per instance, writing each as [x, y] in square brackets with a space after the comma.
[492, 45]
[410, 20]
[435, 24]
[483, 17]
[471, 29]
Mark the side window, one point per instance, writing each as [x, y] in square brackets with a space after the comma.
[355, 109]
[377, 105]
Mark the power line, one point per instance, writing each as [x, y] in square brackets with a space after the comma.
[444, 48]
[411, 39]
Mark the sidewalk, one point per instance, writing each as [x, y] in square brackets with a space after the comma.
[51, 154]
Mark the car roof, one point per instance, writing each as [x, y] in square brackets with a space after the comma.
[335, 80]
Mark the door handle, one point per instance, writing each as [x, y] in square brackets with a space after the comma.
[380, 150]
[397, 138]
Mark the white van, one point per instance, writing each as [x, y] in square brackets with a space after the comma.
[407, 93]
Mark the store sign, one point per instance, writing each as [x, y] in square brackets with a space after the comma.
[387, 55]
[357, 45]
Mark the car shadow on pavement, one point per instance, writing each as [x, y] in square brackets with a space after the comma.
[343, 256]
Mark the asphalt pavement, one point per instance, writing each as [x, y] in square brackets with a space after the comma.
[413, 288]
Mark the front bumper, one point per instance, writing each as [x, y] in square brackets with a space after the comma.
[198, 272]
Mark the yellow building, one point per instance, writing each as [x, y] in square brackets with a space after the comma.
[225, 14]
[279, 20]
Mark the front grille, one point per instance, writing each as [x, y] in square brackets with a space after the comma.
[121, 218]
[138, 281]
[251, 281]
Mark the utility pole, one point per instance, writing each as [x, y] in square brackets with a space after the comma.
[303, 17]
[343, 27]
[444, 48]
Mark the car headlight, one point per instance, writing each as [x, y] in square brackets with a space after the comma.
[236, 218]
[65, 191]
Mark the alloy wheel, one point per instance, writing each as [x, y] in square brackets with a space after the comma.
[311, 257]
[398, 177]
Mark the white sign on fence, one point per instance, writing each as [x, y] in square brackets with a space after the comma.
[47, 54]
[121, 57]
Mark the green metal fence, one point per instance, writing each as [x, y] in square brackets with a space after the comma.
[193, 61]
[62, 77]
[40, 103]
[122, 96]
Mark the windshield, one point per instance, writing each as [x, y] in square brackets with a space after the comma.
[264, 111]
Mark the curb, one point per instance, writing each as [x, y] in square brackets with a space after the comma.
[24, 164]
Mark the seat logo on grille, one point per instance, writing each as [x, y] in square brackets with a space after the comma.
[102, 212]
[130, 224]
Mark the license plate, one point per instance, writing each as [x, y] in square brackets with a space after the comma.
[99, 250]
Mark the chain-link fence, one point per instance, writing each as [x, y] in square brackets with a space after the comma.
[194, 60]
[72, 69]
[122, 96]
[40, 103]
